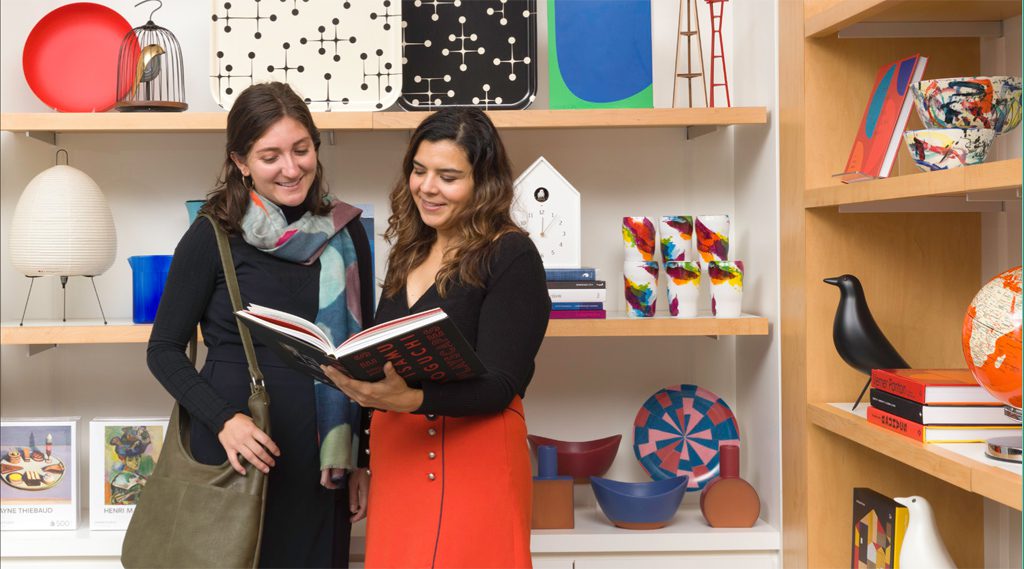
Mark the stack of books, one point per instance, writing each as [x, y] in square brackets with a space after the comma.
[576, 293]
[936, 406]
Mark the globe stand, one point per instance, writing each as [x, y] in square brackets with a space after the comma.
[1006, 449]
[64, 287]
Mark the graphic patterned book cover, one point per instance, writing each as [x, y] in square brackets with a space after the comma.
[40, 482]
[879, 523]
[337, 55]
[481, 53]
[122, 456]
[881, 128]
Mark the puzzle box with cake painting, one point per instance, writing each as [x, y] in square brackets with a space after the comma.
[39, 488]
[122, 455]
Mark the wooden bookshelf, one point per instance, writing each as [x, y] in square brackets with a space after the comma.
[619, 325]
[122, 332]
[963, 465]
[963, 182]
[828, 18]
[540, 118]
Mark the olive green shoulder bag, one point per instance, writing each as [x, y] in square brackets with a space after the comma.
[192, 514]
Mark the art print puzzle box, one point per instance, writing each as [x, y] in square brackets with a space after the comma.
[122, 455]
[39, 489]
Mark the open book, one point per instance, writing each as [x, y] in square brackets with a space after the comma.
[426, 346]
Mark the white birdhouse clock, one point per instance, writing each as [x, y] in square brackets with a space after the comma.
[548, 208]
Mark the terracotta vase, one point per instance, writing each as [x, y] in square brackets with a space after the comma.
[729, 501]
[552, 494]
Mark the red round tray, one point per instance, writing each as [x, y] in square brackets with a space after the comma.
[70, 57]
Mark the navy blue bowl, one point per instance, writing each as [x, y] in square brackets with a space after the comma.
[640, 505]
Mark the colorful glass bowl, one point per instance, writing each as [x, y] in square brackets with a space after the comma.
[969, 102]
[582, 459]
[639, 505]
[945, 148]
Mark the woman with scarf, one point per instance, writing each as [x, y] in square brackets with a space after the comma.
[299, 250]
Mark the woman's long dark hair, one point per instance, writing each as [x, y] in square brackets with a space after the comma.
[255, 110]
[485, 217]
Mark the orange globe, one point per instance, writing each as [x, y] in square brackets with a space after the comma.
[992, 337]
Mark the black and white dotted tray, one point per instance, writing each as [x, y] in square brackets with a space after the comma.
[480, 53]
[339, 55]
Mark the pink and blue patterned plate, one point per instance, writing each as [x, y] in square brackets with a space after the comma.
[678, 431]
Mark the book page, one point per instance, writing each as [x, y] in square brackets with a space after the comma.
[390, 329]
[296, 327]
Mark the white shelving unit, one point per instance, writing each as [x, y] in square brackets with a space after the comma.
[591, 376]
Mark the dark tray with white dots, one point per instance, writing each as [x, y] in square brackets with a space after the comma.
[469, 53]
[339, 55]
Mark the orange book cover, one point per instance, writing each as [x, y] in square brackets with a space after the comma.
[933, 386]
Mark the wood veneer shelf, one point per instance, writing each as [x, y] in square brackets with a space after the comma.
[986, 177]
[121, 332]
[619, 325]
[963, 465]
[845, 13]
[216, 122]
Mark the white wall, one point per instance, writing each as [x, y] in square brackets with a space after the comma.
[583, 388]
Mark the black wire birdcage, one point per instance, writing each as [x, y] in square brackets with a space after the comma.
[150, 74]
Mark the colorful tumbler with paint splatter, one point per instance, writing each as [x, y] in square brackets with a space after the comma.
[639, 237]
[683, 280]
[726, 288]
[641, 287]
[712, 233]
[676, 233]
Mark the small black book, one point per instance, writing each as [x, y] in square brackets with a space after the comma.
[426, 346]
[576, 284]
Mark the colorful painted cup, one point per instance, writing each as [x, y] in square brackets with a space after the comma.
[712, 235]
[676, 232]
[683, 281]
[726, 288]
[639, 237]
[641, 288]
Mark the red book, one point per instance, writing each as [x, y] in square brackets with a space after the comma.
[933, 386]
[938, 433]
[577, 314]
[881, 129]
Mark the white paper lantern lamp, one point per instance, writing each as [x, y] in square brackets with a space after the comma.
[62, 227]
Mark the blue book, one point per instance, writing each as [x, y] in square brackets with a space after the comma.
[580, 274]
[577, 306]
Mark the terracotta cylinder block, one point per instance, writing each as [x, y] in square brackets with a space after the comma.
[552, 504]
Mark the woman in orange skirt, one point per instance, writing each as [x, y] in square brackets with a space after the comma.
[450, 465]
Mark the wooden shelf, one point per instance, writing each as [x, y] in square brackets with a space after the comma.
[963, 465]
[124, 332]
[967, 181]
[661, 325]
[845, 13]
[216, 122]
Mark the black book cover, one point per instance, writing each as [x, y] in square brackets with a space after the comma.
[436, 351]
[896, 405]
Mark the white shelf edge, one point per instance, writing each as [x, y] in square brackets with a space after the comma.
[593, 533]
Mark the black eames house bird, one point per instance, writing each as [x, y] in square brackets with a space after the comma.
[859, 340]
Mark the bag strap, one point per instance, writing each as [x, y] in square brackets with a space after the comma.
[236, 303]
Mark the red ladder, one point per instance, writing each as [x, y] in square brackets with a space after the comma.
[718, 51]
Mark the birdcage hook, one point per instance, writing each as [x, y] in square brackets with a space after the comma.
[154, 9]
[67, 157]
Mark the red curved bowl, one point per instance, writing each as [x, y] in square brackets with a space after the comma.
[581, 459]
[70, 57]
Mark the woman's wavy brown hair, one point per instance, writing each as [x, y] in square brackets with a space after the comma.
[256, 109]
[484, 218]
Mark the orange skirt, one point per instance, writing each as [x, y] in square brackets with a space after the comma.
[449, 491]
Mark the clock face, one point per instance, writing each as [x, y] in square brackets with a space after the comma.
[548, 208]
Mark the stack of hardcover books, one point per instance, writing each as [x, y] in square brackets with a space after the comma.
[936, 406]
[576, 293]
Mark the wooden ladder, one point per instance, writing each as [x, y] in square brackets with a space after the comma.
[718, 51]
[689, 33]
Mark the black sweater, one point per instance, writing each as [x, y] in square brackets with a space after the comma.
[504, 321]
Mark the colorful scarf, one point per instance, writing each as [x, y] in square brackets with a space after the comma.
[338, 315]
